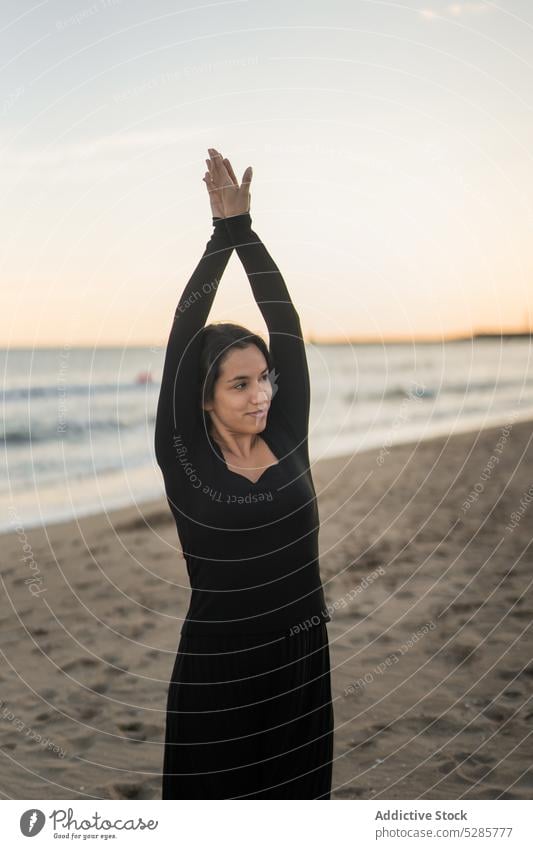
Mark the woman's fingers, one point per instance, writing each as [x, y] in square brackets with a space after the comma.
[231, 172]
[215, 158]
[210, 186]
[220, 173]
[246, 180]
[245, 186]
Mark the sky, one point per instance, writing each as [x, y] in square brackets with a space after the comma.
[390, 142]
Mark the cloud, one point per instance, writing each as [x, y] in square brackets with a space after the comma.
[457, 10]
[72, 161]
[102, 146]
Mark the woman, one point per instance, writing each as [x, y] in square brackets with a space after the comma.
[249, 711]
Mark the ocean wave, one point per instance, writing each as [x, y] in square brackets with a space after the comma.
[72, 431]
[59, 390]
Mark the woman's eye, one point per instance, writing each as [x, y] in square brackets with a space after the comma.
[238, 385]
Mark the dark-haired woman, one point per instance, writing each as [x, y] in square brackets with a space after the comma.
[249, 711]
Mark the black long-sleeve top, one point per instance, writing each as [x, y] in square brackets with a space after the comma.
[251, 549]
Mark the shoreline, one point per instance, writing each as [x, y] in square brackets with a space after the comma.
[152, 501]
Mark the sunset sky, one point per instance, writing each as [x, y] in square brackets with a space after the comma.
[390, 141]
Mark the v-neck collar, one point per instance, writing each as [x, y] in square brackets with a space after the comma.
[221, 457]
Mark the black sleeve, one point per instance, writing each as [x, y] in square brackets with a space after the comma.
[291, 396]
[177, 412]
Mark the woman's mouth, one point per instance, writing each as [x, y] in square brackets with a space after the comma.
[257, 413]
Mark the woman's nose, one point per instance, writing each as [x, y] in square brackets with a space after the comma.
[260, 395]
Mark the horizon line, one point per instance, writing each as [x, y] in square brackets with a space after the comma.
[312, 339]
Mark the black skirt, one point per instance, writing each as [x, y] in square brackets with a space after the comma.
[250, 717]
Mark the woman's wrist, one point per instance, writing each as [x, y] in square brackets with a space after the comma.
[244, 215]
[239, 229]
[236, 215]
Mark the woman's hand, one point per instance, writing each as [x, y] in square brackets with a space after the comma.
[215, 195]
[224, 190]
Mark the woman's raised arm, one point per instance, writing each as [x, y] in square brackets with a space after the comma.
[177, 413]
[293, 395]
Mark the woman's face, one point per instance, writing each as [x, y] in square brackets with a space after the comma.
[243, 387]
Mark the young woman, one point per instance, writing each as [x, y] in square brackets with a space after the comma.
[249, 712]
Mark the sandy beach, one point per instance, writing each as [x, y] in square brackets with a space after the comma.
[426, 562]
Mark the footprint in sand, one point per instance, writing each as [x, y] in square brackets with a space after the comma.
[85, 712]
[132, 631]
[362, 741]
[79, 663]
[370, 735]
[139, 731]
[48, 694]
[525, 783]
[128, 790]
[515, 598]
[112, 669]
[508, 674]
[98, 549]
[463, 652]
[163, 517]
[527, 671]
[513, 694]
[474, 767]
[466, 606]
[456, 771]
[438, 725]
[348, 793]
[523, 613]
[498, 713]
[80, 744]
[447, 767]
[38, 632]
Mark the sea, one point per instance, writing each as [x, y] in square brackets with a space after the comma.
[78, 423]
